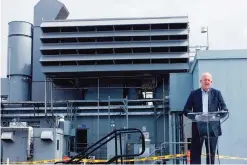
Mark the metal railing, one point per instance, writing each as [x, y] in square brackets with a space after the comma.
[113, 135]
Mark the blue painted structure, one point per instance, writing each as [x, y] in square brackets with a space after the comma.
[129, 72]
[19, 60]
[227, 68]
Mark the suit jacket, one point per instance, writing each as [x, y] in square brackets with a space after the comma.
[215, 103]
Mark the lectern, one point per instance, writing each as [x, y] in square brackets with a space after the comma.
[208, 124]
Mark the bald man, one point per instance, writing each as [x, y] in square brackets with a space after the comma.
[204, 99]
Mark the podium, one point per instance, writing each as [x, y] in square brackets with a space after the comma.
[208, 124]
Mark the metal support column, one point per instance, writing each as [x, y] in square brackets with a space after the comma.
[52, 99]
[172, 136]
[155, 125]
[177, 136]
[45, 99]
[98, 112]
[109, 114]
[127, 112]
[163, 91]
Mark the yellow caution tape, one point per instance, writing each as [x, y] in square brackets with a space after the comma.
[102, 161]
[152, 158]
[228, 157]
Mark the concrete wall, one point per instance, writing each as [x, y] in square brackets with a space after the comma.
[229, 76]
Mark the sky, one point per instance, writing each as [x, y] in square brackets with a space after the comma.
[226, 19]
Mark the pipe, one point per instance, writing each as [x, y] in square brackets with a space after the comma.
[81, 101]
[67, 88]
[116, 107]
[98, 110]
[109, 113]
[45, 99]
[127, 113]
[51, 98]
[163, 90]
[79, 114]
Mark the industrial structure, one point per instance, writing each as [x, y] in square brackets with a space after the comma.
[72, 82]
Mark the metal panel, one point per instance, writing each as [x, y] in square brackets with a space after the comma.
[46, 150]
[49, 10]
[74, 57]
[38, 85]
[222, 54]
[7, 136]
[92, 94]
[19, 89]
[38, 93]
[120, 122]
[19, 60]
[63, 46]
[20, 28]
[43, 10]
[37, 74]
[19, 49]
[111, 147]
[180, 88]
[230, 78]
[196, 77]
[18, 150]
[127, 67]
[115, 33]
[47, 135]
[115, 21]
[4, 86]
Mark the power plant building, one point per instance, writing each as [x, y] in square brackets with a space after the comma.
[71, 82]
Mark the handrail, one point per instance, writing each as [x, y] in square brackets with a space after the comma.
[116, 157]
[114, 134]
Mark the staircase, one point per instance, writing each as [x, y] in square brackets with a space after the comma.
[119, 133]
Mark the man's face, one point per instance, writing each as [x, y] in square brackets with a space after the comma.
[206, 82]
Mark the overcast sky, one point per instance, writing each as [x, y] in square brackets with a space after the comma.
[226, 19]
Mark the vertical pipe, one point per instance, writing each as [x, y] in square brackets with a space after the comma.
[45, 99]
[116, 150]
[55, 136]
[155, 125]
[177, 136]
[51, 98]
[98, 111]
[163, 91]
[127, 113]
[121, 152]
[170, 140]
[109, 117]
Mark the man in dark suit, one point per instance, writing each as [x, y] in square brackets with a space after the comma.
[204, 99]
